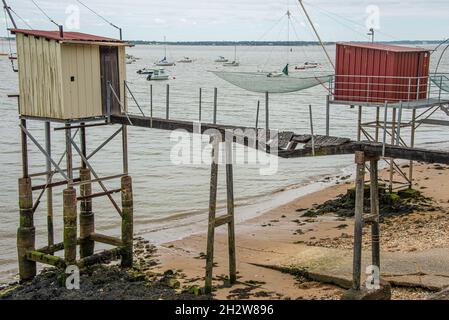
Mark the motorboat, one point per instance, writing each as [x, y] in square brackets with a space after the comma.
[158, 74]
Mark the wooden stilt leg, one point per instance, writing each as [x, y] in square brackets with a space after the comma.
[87, 219]
[230, 206]
[360, 183]
[375, 228]
[212, 212]
[127, 222]
[70, 226]
[26, 234]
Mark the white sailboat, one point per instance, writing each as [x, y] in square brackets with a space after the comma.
[233, 63]
[164, 62]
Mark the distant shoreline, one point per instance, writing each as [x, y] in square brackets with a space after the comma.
[272, 43]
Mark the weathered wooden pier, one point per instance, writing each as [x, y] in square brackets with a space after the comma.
[55, 91]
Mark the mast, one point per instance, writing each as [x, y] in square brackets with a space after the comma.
[316, 34]
[235, 53]
[165, 47]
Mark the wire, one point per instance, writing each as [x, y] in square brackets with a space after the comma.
[349, 20]
[98, 15]
[23, 20]
[45, 14]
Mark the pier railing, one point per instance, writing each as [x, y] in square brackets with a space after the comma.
[381, 89]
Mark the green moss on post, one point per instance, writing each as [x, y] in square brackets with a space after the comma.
[70, 228]
[26, 234]
[87, 218]
[127, 222]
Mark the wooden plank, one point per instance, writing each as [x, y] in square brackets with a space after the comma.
[101, 238]
[434, 122]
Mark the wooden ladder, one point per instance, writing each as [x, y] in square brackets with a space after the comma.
[215, 222]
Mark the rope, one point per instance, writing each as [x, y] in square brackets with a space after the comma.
[44, 13]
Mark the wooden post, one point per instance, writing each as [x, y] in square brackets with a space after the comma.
[26, 234]
[375, 228]
[151, 105]
[24, 139]
[328, 111]
[393, 138]
[267, 119]
[230, 207]
[412, 145]
[87, 218]
[70, 225]
[167, 103]
[358, 228]
[359, 124]
[212, 212]
[311, 129]
[69, 160]
[50, 228]
[377, 123]
[127, 222]
[215, 104]
[200, 105]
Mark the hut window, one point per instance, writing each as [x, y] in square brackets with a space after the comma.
[72, 78]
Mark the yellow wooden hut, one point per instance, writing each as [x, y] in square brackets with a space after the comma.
[64, 76]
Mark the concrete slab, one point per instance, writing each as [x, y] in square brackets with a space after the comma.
[427, 269]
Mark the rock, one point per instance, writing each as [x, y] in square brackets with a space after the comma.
[173, 283]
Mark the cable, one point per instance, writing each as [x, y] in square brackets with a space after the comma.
[349, 20]
[45, 14]
[23, 20]
[98, 15]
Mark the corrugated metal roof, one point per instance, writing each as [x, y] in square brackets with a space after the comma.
[68, 36]
[384, 47]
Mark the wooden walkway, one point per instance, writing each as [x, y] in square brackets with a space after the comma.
[291, 145]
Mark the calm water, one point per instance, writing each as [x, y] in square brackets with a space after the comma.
[171, 200]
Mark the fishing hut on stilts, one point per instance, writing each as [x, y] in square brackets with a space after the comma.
[66, 82]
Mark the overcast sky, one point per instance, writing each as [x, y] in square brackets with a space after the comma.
[186, 20]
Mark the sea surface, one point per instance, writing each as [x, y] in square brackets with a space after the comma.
[171, 200]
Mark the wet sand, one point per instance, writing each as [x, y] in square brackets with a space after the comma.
[277, 234]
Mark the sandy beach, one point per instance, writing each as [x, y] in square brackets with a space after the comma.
[282, 232]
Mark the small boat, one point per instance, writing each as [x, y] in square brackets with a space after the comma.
[185, 60]
[231, 64]
[158, 74]
[234, 63]
[145, 71]
[221, 59]
[307, 65]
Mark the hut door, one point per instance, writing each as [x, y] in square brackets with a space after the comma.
[110, 73]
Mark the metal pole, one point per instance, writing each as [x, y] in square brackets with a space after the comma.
[215, 104]
[108, 101]
[167, 103]
[200, 104]
[50, 229]
[316, 34]
[8, 10]
[311, 129]
[257, 115]
[328, 107]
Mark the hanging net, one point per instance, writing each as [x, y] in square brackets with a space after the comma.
[441, 81]
[271, 82]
